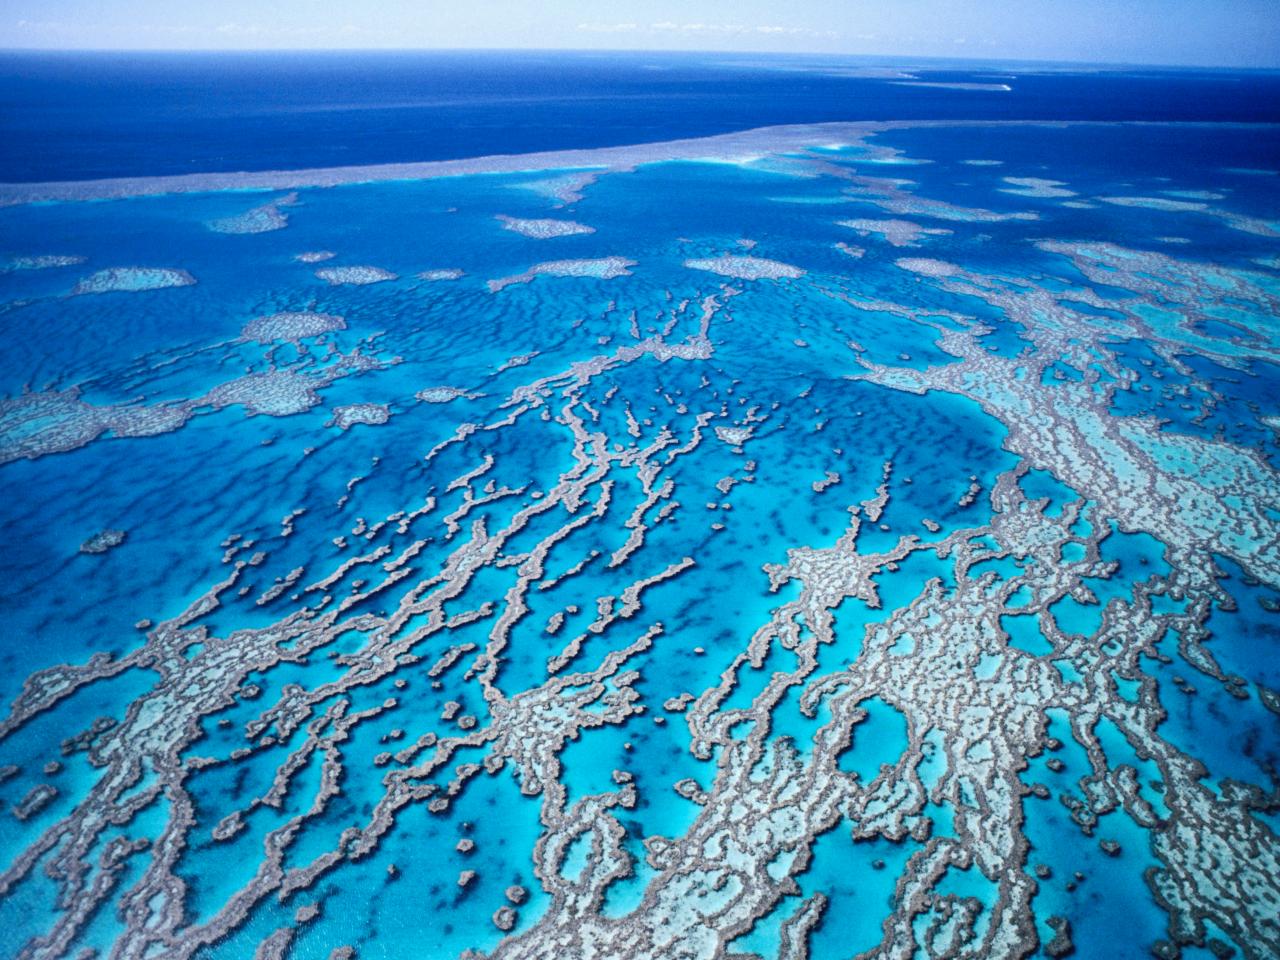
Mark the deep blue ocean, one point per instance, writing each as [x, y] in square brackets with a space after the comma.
[74, 116]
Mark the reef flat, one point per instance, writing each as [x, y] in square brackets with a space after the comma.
[520, 559]
[565, 187]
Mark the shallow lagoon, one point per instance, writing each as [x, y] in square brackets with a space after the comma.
[738, 456]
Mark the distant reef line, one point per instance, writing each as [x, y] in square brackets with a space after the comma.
[740, 145]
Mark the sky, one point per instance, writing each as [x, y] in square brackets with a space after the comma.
[1190, 32]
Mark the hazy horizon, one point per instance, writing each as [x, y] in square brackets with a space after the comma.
[900, 60]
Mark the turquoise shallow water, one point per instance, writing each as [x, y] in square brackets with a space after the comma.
[806, 370]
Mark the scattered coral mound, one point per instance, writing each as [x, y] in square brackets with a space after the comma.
[899, 233]
[261, 219]
[354, 276]
[132, 280]
[443, 394]
[47, 261]
[603, 268]
[291, 326]
[38, 424]
[747, 268]
[440, 275]
[349, 415]
[543, 229]
[103, 541]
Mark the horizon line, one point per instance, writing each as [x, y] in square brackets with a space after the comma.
[898, 57]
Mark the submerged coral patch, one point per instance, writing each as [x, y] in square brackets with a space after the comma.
[103, 540]
[898, 233]
[747, 268]
[354, 276]
[47, 261]
[314, 256]
[37, 424]
[543, 229]
[1037, 187]
[291, 326]
[261, 219]
[604, 268]
[346, 417]
[133, 280]
[439, 275]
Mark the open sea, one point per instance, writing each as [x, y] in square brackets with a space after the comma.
[79, 116]
[852, 543]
